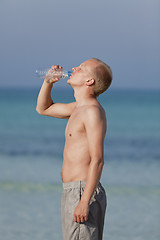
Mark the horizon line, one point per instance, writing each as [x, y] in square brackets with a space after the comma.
[68, 89]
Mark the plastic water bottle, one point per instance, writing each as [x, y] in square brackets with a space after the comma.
[55, 73]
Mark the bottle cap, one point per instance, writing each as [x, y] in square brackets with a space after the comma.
[69, 73]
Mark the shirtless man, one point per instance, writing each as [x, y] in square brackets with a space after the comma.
[83, 199]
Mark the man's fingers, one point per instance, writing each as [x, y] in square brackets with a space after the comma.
[56, 66]
[78, 219]
[52, 80]
[82, 219]
[55, 79]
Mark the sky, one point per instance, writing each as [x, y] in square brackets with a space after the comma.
[123, 33]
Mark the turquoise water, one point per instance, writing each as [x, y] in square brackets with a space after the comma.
[31, 150]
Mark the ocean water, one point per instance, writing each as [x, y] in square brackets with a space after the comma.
[31, 151]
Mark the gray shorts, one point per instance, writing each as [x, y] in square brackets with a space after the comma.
[93, 227]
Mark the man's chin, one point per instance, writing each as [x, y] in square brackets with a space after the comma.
[68, 81]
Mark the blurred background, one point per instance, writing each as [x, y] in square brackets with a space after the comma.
[37, 34]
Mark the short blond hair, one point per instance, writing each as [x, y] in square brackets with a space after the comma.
[102, 75]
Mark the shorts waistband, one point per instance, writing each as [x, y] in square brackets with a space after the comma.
[76, 184]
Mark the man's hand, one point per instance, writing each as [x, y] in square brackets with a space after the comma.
[81, 212]
[48, 77]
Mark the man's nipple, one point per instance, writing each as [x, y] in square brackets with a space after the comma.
[70, 134]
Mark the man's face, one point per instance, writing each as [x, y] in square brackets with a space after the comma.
[82, 73]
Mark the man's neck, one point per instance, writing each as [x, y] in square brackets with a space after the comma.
[83, 98]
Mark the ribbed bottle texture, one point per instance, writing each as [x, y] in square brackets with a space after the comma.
[56, 73]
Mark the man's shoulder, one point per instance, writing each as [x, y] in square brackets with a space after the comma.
[94, 111]
[94, 117]
[94, 108]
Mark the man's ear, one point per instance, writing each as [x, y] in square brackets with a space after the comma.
[90, 82]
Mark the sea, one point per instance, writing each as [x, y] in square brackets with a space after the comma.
[31, 157]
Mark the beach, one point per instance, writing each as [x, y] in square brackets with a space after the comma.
[31, 156]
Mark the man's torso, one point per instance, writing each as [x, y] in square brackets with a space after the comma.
[76, 156]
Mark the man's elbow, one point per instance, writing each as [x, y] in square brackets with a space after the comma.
[101, 162]
[98, 161]
[39, 111]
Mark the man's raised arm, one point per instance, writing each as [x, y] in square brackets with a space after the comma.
[45, 104]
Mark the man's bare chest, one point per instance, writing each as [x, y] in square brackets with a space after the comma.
[75, 126]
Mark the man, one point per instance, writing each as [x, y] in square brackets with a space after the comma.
[83, 199]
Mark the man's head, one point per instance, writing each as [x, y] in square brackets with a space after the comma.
[92, 74]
